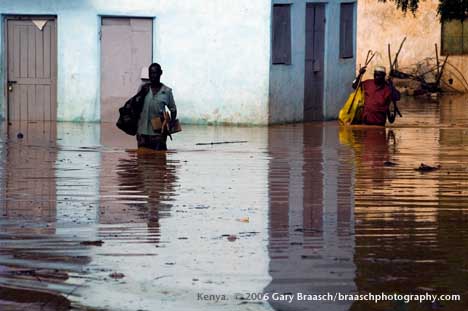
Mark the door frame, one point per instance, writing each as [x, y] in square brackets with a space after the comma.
[99, 38]
[4, 45]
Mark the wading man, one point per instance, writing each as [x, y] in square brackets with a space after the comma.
[151, 131]
[378, 95]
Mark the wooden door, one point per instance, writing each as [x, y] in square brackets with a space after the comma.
[126, 47]
[32, 62]
[314, 62]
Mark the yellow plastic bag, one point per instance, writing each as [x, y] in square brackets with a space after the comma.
[352, 109]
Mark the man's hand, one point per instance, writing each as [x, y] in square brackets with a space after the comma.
[356, 81]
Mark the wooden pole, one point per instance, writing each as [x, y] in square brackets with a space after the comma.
[390, 58]
[368, 60]
[441, 71]
[395, 61]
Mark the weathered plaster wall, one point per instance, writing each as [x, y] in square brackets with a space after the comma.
[381, 23]
[287, 81]
[214, 53]
[339, 71]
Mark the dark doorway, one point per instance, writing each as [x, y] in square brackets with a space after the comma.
[314, 62]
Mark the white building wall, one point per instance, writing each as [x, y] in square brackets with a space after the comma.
[214, 53]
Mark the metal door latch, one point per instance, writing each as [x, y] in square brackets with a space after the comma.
[10, 85]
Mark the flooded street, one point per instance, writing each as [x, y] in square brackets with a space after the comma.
[89, 222]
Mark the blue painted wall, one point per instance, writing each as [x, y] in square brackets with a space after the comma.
[340, 72]
[287, 81]
[286, 89]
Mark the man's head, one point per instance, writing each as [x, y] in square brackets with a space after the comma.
[154, 73]
[379, 75]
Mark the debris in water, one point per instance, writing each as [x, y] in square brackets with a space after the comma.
[427, 168]
[244, 219]
[201, 207]
[93, 243]
[117, 275]
[20, 135]
[389, 163]
[222, 142]
[231, 238]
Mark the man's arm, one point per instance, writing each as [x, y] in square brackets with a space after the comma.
[172, 107]
[356, 81]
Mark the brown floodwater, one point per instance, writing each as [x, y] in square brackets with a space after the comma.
[90, 223]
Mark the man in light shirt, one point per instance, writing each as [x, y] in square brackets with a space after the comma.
[157, 97]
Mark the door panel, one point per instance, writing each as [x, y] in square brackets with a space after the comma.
[31, 69]
[126, 47]
[314, 62]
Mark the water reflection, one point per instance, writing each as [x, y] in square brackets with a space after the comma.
[35, 258]
[29, 195]
[165, 218]
[77, 170]
[410, 226]
[297, 209]
[137, 187]
[151, 174]
[311, 216]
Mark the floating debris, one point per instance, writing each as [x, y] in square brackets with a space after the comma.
[92, 243]
[223, 142]
[20, 135]
[231, 238]
[244, 219]
[426, 168]
[117, 275]
[389, 163]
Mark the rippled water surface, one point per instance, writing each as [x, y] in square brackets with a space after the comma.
[89, 222]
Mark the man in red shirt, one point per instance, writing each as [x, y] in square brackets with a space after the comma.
[378, 94]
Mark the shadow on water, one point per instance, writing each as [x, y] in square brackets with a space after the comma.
[89, 222]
